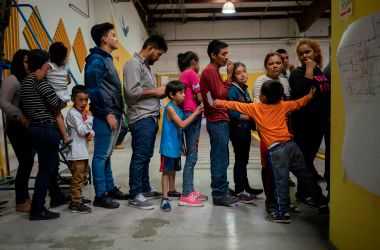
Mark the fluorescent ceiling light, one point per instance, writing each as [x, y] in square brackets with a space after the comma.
[228, 8]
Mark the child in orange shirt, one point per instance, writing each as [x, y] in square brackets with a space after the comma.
[284, 154]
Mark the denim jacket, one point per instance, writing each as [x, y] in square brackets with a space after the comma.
[103, 84]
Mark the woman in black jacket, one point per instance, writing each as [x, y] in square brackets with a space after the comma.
[312, 122]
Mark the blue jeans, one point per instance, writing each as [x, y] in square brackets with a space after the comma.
[192, 136]
[25, 157]
[104, 142]
[45, 139]
[143, 134]
[287, 157]
[219, 133]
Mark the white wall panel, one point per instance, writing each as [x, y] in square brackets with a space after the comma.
[193, 30]
[252, 54]
[250, 40]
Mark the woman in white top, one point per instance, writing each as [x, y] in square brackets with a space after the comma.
[273, 66]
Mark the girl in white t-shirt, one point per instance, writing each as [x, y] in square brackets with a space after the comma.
[57, 74]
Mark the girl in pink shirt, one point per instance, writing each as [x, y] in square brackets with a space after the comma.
[188, 63]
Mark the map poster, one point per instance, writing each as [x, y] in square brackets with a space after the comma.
[358, 59]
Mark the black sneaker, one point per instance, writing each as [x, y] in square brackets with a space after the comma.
[324, 209]
[117, 194]
[285, 219]
[174, 195]
[106, 202]
[293, 209]
[245, 197]
[291, 183]
[56, 203]
[254, 191]
[229, 201]
[306, 202]
[45, 214]
[86, 200]
[80, 208]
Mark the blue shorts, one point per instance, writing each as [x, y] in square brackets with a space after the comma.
[169, 164]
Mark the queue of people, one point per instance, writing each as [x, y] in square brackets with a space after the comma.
[289, 107]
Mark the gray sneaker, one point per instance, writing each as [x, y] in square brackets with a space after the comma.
[246, 198]
[140, 202]
[152, 194]
[228, 201]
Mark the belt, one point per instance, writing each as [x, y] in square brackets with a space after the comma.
[277, 144]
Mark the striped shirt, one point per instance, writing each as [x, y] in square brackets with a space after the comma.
[38, 100]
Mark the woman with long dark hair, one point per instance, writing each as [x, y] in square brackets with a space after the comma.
[16, 123]
[311, 123]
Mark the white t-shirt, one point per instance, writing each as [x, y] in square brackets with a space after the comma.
[57, 78]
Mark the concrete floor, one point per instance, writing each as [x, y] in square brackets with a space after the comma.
[208, 227]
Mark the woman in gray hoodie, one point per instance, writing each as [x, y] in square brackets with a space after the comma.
[16, 123]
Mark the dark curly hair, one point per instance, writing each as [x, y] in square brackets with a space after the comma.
[315, 46]
[58, 53]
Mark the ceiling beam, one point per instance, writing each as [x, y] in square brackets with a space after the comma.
[314, 11]
[144, 13]
[217, 18]
[238, 10]
[216, 1]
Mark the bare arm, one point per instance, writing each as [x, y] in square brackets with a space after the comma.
[41, 73]
[310, 65]
[172, 115]
[68, 79]
[198, 97]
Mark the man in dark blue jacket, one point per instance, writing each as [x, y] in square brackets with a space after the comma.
[104, 87]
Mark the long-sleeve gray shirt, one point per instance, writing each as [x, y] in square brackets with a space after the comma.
[137, 77]
[10, 98]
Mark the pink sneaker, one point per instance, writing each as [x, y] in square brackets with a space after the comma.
[200, 196]
[190, 201]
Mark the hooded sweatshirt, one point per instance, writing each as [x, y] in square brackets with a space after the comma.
[103, 84]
